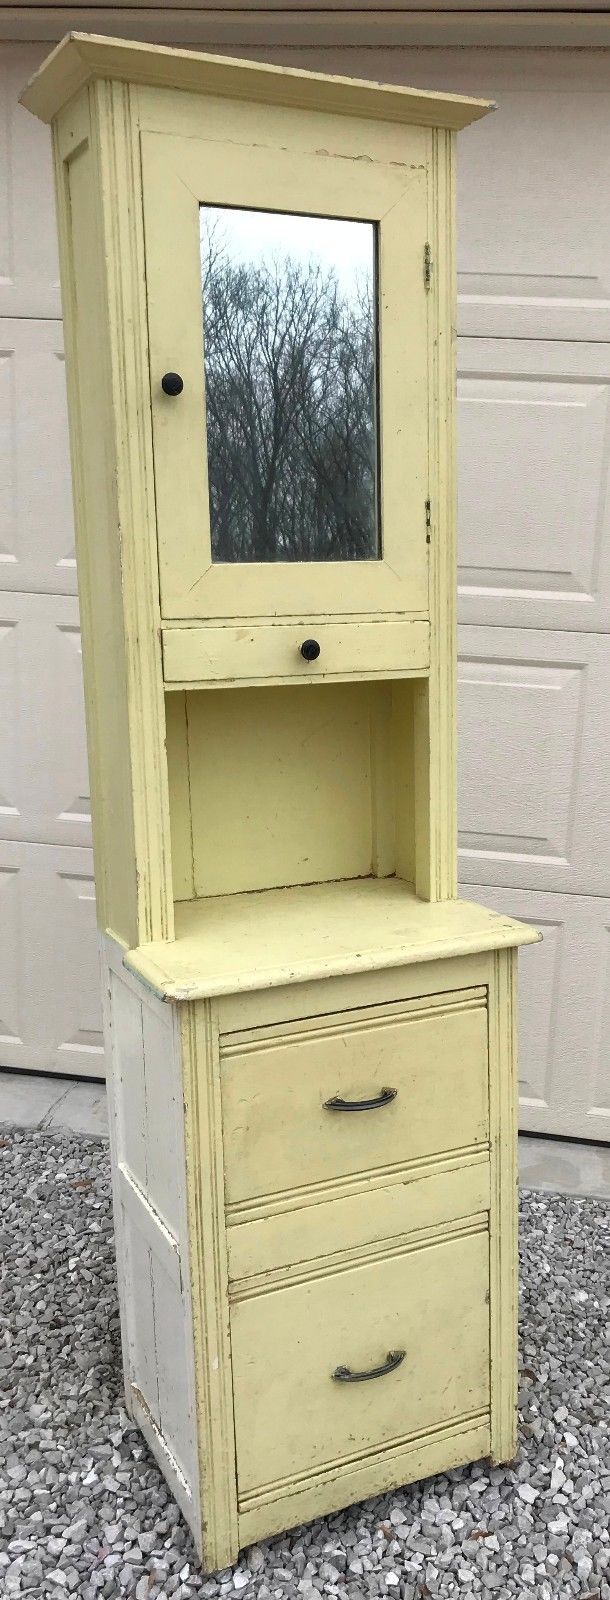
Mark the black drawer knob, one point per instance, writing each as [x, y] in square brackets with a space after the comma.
[310, 649]
[172, 383]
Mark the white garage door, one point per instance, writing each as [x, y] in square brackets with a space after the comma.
[534, 554]
[49, 990]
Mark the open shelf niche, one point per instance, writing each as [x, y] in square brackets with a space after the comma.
[285, 786]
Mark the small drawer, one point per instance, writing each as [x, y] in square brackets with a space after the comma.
[254, 653]
[418, 1070]
[422, 1315]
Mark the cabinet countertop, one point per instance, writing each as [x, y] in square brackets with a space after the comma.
[238, 942]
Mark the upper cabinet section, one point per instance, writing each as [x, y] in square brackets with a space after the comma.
[293, 278]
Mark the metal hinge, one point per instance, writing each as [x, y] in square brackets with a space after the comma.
[428, 520]
[427, 266]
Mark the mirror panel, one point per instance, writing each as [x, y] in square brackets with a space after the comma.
[290, 347]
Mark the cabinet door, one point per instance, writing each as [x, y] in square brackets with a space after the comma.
[300, 274]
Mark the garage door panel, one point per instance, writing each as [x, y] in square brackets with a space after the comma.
[533, 240]
[44, 787]
[533, 237]
[539, 992]
[49, 968]
[564, 1011]
[29, 273]
[534, 507]
[36, 521]
[534, 759]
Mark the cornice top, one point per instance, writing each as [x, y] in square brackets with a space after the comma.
[82, 57]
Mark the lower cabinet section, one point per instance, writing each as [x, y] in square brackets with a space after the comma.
[340, 1297]
[335, 1371]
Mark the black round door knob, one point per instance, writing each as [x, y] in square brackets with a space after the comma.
[172, 383]
[310, 649]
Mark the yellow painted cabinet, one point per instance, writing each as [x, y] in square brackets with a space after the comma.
[311, 1040]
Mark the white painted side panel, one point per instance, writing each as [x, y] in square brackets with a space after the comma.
[165, 1181]
[149, 1097]
[147, 1137]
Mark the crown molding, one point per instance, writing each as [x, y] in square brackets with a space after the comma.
[83, 57]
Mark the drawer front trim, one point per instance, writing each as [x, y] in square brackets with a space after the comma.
[242, 1041]
[344, 1260]
[355, 1183]
[427, 1436]
[376, 1211]
[261, 1516]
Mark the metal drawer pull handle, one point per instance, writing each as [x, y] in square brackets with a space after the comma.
[382, 1099]
[345, 1374]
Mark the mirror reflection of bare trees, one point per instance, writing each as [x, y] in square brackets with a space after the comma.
[291, 412]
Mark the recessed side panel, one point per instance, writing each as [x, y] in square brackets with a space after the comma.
[149, 1185]
[98, 550]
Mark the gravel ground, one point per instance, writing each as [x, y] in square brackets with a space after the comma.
[84, 1511]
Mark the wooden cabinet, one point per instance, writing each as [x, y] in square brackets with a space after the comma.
[312, 1039]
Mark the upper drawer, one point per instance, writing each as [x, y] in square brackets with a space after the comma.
[280, 1132]
[200, 655]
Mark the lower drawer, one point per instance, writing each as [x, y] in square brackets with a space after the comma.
[295, 1415]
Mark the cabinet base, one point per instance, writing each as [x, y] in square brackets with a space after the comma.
[178, 1079]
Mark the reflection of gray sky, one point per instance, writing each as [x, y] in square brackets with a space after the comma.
[263, 236]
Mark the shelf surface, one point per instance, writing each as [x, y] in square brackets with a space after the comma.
[253, 941]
